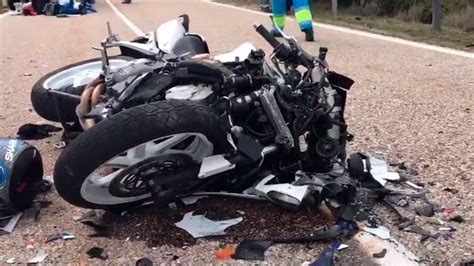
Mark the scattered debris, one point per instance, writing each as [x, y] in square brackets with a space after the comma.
[35, 132]
[225, 253]
[60, 145]
[338, 246]
[44, 185]
[11, 224]
[255, 249]
[100, 230]
[448, 211]
[380, 255]
[425, 210]
[457, 219]
[418, 230]
[11, 261]
[64, 235]
[39, 257]
[325, 259]
[435, 221]
[380, 231]
[446, 229]
[27, 74]
[399, 200]
[452, 190]
[200, 226]
[144, 262]
[98, 253]
[251, 250]
[379, 171]
[413, 185]
[404, 224]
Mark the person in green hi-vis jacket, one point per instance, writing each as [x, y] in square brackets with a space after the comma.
[302, 14]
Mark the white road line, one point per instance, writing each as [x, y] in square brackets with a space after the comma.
[365, 34]
[125, 20]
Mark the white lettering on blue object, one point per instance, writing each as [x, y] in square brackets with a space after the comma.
[10, 150]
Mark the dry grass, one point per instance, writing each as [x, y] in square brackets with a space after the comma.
[403, 25]
[463, 19]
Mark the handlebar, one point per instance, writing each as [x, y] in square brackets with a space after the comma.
[283, 52]
[267, 35]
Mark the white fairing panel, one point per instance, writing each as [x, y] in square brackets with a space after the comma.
[198, 92]
[240, 53]
[168, 33]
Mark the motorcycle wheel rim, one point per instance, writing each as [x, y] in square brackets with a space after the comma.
[96, 188]
[79, 75]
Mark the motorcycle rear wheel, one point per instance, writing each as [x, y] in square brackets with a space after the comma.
[108, 166]
[62, 79]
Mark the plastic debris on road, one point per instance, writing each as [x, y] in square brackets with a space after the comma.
[225, 253]
[325, 259]
[338, 246]
[379, 171]
[11, 224]
[39, 257]
[380, 231]
[413, 185]
[98, 253]
[200, 226]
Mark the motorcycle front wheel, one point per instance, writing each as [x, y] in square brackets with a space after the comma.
[71, 79]
[110, 165]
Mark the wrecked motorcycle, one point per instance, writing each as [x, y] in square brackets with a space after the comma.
[55, 96]
[220, 127]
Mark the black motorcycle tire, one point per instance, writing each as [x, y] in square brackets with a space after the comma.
[44, 102]
[126, 130]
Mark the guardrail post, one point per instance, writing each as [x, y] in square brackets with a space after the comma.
[334, 7]
[436, 15]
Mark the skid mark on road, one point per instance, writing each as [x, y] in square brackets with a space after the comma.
[125, 20]
[364, 34]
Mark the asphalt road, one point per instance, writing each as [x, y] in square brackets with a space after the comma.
[408, 103]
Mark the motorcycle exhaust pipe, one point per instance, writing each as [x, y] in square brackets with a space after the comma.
[90, 97]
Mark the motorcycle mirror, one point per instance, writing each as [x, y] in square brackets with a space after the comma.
[111, 36]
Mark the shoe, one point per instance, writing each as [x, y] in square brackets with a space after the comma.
[309, 36]
[275, 33]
